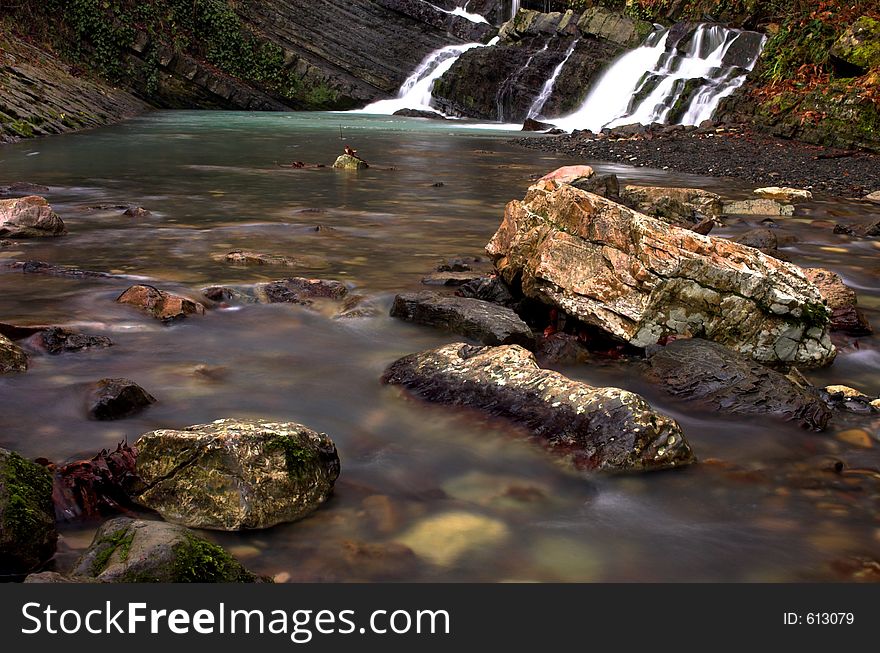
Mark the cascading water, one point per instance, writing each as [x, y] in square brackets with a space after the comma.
[514, 7]
[506, 88]
[659, 83]
[459, 11]
[416, 90]
[550, 84]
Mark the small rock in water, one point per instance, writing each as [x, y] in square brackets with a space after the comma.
[244, 257]
[161, 305]
[873, 197]
[137, 212]
[419, 113]
[783, 194]
[450, 278]
[299, 290]
[112, 399]
[532, 125]
[56, 340]
[445, 539]
[348, 162]
[842, 300]
[12, 357]
[758, 207]
[849, 399]
[762, 239]
[28, 535]
[137, 551]
[685, 206]
[488, 323]
[592, 428]
[29, 217]
[236, 474]
[857, 438]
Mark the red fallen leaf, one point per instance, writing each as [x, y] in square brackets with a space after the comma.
[550, 330]
[91, 489]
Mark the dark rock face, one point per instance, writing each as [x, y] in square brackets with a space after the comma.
[502, 82]
[27, 520]
[841, 299]
[112, 399]
[361, 49]
[603, 429]
[56, 340]
[726, 381]
[488, 289]
[236, 474]
[137, 551]
[159, 304]
[48, 97]
[488, 323]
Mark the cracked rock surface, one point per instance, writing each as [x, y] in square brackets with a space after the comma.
[605, 429]
[642, 280]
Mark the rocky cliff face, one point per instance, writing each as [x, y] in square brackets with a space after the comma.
[42, 95]
[503, 82]
[249, 55]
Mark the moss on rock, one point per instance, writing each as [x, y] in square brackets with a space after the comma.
[137, 551]
[27, 516]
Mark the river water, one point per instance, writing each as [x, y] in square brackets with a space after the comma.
[472, 499]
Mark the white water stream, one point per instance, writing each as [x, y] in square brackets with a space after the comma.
[646, 84]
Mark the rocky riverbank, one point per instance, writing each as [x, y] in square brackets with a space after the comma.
[737, 152]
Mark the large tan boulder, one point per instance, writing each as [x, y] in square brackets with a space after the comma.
[29, 217]
[642, 280]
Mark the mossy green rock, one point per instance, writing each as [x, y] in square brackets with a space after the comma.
[859, 46]
[136, 551]
[27, 516]
[12, 357]
[348, 162]
[233, 475]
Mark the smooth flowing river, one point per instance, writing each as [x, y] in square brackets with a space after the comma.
[472, 499]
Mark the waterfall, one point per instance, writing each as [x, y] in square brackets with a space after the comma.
[514, 7]
[506, 87]
[459, 11]
[416, 90]
[547, 91]
[656, 82]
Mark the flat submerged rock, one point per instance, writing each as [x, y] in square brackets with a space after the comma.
[473, 318]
